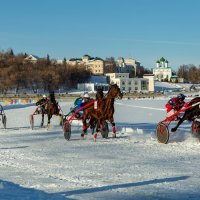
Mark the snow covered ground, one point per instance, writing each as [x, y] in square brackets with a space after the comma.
[41, 164]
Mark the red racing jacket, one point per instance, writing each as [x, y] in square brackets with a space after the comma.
[174, 103]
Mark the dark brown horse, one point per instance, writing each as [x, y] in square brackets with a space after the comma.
[104, 110]
[41, 109]
[48, 107]
[53, 109]
[191, 113]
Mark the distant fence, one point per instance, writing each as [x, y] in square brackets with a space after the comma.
[13, 101]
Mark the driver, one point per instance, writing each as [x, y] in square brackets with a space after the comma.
[42, 103]
[80, 102]
[175, 104]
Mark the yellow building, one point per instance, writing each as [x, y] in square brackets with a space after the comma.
[95, 65]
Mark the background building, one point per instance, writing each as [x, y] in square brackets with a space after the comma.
[95, 65]
[31, 58]
[127, 84]
[150, 78]
[162, 72]
[94, 83]
[127, 65]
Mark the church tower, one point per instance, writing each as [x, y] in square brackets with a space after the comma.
[162, 71]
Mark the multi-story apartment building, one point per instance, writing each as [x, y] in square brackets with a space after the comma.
[95, 65]
[127, 84]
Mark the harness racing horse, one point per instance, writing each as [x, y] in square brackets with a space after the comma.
[104, 111]
[53, 109]
[191, 113]
[42, 104]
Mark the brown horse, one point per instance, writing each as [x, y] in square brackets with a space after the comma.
[191, 113]
[41, 109]
[53, 109]
[48, 107]
[104, 110]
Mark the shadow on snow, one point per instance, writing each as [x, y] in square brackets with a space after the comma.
[9, 190]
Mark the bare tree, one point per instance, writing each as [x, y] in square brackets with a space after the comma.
[110, 65]
[183, 72]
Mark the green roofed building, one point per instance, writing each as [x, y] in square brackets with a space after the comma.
[162, 71]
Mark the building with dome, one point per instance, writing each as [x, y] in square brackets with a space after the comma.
[162, 71]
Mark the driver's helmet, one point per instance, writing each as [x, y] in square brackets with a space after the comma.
[44, 96]
[181, 97]
[86, 95]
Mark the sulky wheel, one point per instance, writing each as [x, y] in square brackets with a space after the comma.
[105, 130]
[31, 121]
[4, 120]
[67, 130]
[162, 133]
[196, 128]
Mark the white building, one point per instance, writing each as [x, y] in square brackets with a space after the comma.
[127, 65]
[150, 78]
[31, 58]
[127, 84]
[162, 72]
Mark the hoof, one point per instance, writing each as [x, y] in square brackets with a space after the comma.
[83, 134]
[173, 130]
[114, 135]
[114, 129]
[95, 137]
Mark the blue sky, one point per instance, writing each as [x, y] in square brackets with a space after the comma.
[144, 30]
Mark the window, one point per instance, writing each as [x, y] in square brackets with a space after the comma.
[144, 85]
[123, 83]
[136, 83]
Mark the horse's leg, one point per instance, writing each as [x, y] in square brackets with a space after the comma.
[42, 122]
[185, 116]
[61, 119]
[84, 125]
[98, 127]
[178, 124]
[49, 119]
[188, 115]
[113, 129]
[111, 120]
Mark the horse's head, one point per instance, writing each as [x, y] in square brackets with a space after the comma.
[99, 94]
[114, 92]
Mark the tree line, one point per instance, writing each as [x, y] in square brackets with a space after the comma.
[46, 74]
[190, 73]
[17, 74]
